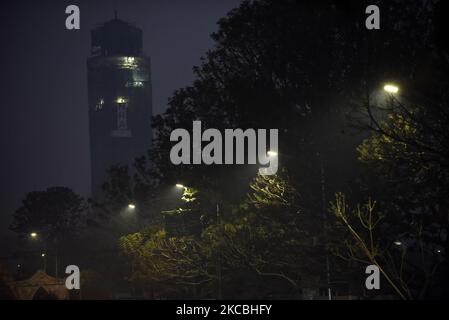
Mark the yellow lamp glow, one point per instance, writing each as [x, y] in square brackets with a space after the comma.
[391, 88]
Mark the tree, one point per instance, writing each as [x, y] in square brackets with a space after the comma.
[172, 267]
[370, 241]
[295, 66]
[276, 65]
[54, 214]
[407, 160]
[270, 239]
[265, 248]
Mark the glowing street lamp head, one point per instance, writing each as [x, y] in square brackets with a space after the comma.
[180, 186]
[42, 254]
[131, 206]
[391, 88]
[397, 243]
[33, 234]
[272, 153]
[120, 100]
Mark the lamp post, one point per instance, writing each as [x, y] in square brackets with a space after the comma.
[219, 273]
[35, 235]
[324, 214]
[218, 265]
[44, 258]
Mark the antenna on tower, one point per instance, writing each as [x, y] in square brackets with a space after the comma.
[114, 3]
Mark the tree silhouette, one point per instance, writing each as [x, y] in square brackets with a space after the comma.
[53, 214]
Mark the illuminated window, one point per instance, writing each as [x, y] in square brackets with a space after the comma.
[129, 62]
[136, 84]
[99, 105]
[122, 130]
[122, 121]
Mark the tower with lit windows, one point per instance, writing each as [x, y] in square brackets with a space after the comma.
[119, 98]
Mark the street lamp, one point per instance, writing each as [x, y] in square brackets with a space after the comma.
[33, 234]
[131, 206]
[218, 262]
[391, 88]
[44, 260]
[120, 100]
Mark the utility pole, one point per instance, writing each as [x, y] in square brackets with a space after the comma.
[56, 258]
[219, 276]
[323, 208]
[44, 256]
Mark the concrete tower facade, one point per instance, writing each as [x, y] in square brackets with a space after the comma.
[119, 99]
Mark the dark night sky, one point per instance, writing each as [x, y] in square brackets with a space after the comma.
[44, 124]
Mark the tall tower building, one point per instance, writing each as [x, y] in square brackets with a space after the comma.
[119, 98]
